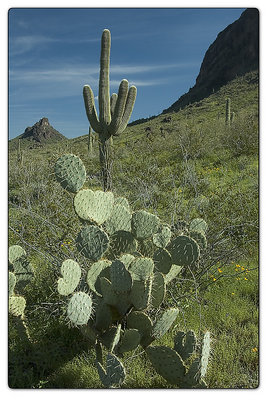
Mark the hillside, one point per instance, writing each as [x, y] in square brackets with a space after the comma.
[189, 165]
[234, 53]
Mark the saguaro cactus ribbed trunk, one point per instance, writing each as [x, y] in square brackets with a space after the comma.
[228, 111]
[114, 111]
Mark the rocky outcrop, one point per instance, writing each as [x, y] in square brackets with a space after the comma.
[234, 53]
[41, 132]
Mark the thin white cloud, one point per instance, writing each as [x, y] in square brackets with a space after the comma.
[68, 80]
[26, 43]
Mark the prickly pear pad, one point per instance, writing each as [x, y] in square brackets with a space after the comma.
[79, 308]
[167, 363]
[142, 322]
[92, 242]
[162, 260]
[205, 354]
[15, 252]
[200, 238]
[11, 283]
[70, 172]
[16, 305]
[158, 290]
[93, 274]
[120, 278]
[164, 322]
[71, 274]
[94, 206]
[141, 294]
[144, 224]
[129, 341]
[141, 268]
[184, 250]
[162, 237]
[199, 225]
[120, 220]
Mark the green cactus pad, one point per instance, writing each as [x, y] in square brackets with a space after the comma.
[192, 376]
[123, 304]
[122, 242]
[144, 224]
[92, 242]
[162, 237]
[94, 206]
[120, 220]
[88, 332]
[140, 321]
[11, 283]
[107, 291]
[162, 260]
[127, 259]
[110, 338]
[140, 295]
[123, 202]
[129, 341]
[164, 322]
[172, 274]
[141, 268]
[185, 344]
[23, 271]
[15, 252]
[103, 316]
[158, 290]
[199, 225]
[71, 274]
[79, 308]
[200, 238]
[121, 279]
[167, 363]
[205, 354]
[16, 305]
[146, 247]
[94, 274]
[114, 374]
[184, 250]
[70, 172]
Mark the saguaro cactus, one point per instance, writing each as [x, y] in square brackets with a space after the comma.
[19, 153]
[228, 111]
[114, 111]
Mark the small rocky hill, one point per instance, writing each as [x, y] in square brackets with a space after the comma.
[234, 53]
[42, 132]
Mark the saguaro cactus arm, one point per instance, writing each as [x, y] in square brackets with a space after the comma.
[103, 95]
[114, 111]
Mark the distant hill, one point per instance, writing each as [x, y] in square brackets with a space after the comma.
[42, 132]
[234, 53]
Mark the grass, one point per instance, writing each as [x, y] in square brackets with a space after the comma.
[201, 168]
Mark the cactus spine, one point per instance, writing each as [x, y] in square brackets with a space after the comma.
[114, 111]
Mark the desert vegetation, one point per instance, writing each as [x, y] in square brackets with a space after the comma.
[175, 244]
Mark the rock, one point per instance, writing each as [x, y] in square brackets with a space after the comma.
[234, 53]
[41, 132]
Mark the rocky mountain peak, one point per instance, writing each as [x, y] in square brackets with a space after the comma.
[41, 132]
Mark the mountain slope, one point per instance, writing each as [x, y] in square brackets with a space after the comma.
[234, 53]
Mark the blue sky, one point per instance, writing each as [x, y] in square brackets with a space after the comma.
[54, 52]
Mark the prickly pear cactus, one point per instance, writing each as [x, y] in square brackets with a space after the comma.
[131, 258]
[19, 275]
[183, 366]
